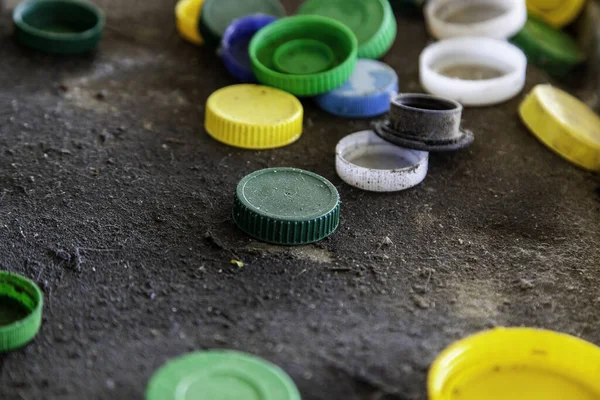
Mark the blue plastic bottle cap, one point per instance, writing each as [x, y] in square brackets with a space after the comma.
[366, 94]
[235, 45]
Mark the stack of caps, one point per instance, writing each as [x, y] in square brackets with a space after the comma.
[305, 55]
[312, 54]
[465, 65]
[316, 52]
[470, 71]
[395, 157]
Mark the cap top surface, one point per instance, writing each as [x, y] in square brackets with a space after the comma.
[220, 375]
[254, 105]
[369, 77]
[288, 194]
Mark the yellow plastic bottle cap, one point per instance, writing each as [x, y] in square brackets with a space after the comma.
[564, 124]
[254, 117]
[557, 13]
[516, 364]
[187, 14]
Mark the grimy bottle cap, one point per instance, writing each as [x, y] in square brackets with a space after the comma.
[217, 15]
[425, 122]
[366, 161]
[287, 206]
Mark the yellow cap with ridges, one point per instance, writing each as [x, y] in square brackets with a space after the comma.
[557, 13]
[187, 14]
[253, 117]
[564, 124]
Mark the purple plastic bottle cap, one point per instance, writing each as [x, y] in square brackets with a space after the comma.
[235, 45]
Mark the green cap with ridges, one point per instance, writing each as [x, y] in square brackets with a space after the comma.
[21, 303]
[552, 50]
[287, 206]
[217, 15]
[78, 30]
[305, 55]
[372, 21]
[223, 375]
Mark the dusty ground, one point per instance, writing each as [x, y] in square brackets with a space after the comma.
[114, 199]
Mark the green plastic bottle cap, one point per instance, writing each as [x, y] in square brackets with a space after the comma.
[217, 15]
[304, 55]
[287, 206]
[58, 26]
[372, 21]
[21, 303]
[550, 49]
[222, 375]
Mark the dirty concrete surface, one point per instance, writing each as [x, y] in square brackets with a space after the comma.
[115, 200]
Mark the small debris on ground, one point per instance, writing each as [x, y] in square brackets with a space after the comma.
[525, 284]
[421, 302]
[101, 95]
[72, 259]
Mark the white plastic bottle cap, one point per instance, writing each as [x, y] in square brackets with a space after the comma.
[475, 71]
[366, 161]
[499, 19]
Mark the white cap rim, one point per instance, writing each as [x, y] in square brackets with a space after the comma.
[379, 180]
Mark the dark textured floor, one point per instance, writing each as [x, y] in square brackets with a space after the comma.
[119, 207]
